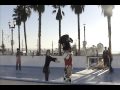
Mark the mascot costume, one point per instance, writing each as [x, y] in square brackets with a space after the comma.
[65, 41]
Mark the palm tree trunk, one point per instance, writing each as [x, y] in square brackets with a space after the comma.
[39, 33]
[59, 37]
[25, 37]
[78, 34]
[109, 31]
[19, 35]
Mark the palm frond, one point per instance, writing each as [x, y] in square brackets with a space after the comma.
[78, 9]
[14, 18]
[38, 8]
[55, 6]
[14, 15]
[107, 9]
[54, 11]
[63, 13]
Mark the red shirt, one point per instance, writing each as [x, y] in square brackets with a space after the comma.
[68, 61]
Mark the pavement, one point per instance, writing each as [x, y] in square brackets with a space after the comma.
[34, 76]
[15, 82]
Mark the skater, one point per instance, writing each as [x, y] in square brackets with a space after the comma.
[68, 64]
[65, 41]
[18, 59]
[48, 59]
[106, 58]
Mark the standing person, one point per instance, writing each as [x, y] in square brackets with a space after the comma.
[68, 64]
[46, 69]
[18, 60]
[110, 59]
[33, 54]
[106, 57]
[65, 40]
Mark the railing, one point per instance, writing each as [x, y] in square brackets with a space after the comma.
[93, 60]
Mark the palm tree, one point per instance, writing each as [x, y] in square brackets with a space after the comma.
[59, 18]
[107, 10]
[39, 9]
[24, 12]
[17, 18]
[78, 9]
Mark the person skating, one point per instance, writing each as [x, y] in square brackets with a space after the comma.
[18, 60]
[68, 65]
[65, 42]
[46, 68]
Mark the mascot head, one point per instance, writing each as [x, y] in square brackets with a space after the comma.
[65, 41]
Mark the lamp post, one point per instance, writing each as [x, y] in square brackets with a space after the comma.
[84, 32]
[3, 46]
[11, 27]
[52, 47]
[84, 42]
[84, 45]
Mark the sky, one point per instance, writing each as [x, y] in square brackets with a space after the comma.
[96, 27]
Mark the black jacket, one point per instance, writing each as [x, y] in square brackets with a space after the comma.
[48, 59]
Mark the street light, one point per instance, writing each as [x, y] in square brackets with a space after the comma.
[84, 42]
[11, 27]
[84, 45]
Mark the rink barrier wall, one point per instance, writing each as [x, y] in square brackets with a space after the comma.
[38, 61]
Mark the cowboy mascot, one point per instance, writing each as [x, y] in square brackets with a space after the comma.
[65, 41]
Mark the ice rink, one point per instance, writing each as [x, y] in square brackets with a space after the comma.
[34, 75]
[32, 71]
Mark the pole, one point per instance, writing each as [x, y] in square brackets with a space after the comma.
[84, 32]
[84, 39]
[22, 45]
[85, 47]
[2, 43]
[11, 27]
[12, 41]
[52, 47]
[59, 37]
[2, 37]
